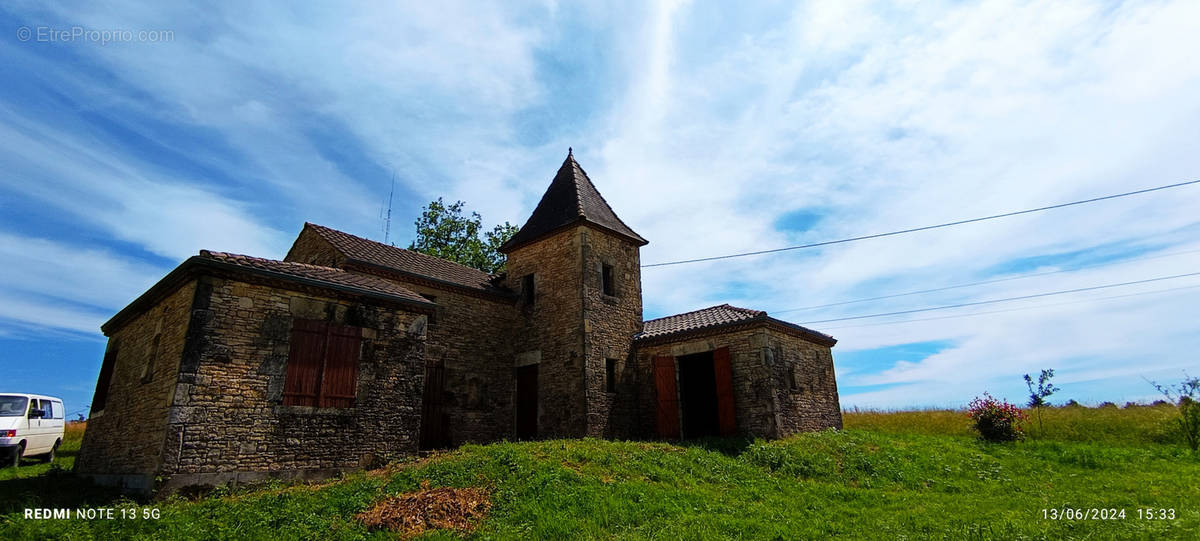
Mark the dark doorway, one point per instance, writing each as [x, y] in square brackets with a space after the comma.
[433, 414]
[527, 402]
[698, 393]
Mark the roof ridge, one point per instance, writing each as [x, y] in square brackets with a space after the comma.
[576, 168]
[723, 305]
[564, 206]
[598, 194]
[393, 247]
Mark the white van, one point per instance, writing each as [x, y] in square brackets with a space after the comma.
[30, 425]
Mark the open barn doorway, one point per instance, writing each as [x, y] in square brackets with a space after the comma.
[698, 395]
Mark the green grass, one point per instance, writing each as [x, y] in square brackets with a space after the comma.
[860, 483]
[1133, 425]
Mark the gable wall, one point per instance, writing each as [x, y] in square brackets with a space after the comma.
[313, 249]
[124, 441]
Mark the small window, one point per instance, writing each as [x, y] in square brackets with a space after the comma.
[58, 409]
[47, 409]
[527, 289]
[610, 375]
[606, 280]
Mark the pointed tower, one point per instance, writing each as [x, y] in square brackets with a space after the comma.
[577, 268]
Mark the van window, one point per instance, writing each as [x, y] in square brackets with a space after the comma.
[47, 409]
[13, 406]
[58, 409]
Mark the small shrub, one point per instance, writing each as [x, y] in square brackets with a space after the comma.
[1186, 397]
[996, 420]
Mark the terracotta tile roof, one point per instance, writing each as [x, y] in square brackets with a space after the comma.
[720, 316]
[699, 319]
[327, 276]
[360, 250]
[571, 198]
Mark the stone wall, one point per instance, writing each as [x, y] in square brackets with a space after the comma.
[610, 322]
[550, 330]
[310, 247]
[763, 363]
[123, 442]
[469, 335]
[226, 419]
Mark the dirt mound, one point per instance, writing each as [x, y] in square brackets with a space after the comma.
[428, 509]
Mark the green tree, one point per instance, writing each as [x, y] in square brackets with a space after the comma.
[445, 231]
[1037, 397]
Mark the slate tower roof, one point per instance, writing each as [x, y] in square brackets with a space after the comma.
[571, 199]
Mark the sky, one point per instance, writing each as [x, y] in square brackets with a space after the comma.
[133, 135]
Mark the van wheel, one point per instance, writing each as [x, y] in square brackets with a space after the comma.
[14, 458]
[49, 457]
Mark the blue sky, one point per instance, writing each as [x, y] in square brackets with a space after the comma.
[710, 128]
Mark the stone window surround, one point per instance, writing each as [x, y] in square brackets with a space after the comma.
[614, 269]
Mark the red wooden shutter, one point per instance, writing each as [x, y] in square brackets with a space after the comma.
[306, 351]
[668, 399]
[340, 375]
[723, 370]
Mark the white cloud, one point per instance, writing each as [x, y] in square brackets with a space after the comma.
[876, 117]
[934, 114]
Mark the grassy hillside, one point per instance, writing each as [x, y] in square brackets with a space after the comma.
[881, 483]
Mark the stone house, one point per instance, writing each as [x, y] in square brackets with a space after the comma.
[350, 352]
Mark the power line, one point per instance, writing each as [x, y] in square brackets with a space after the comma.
[1023, 276]
[1008, 299]
[924, 228]
[956, 316]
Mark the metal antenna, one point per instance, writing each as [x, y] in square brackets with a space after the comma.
[387, 227]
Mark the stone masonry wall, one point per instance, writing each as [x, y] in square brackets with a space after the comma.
[806, 389]
[469, 334]
[763, 362]
[610, 322]
[549, 331]
[226, 420]
[123, 442]
[311, 248]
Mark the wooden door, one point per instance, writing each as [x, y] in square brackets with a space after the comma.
[723, 371]
[668, 398]
[433, 412]
[527, 402]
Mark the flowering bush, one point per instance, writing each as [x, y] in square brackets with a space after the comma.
[996, 420]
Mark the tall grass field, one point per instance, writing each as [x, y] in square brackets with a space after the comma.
[897, 475]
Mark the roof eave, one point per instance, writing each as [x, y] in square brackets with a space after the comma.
[184, 271]
[509, 246]
[760, 320]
